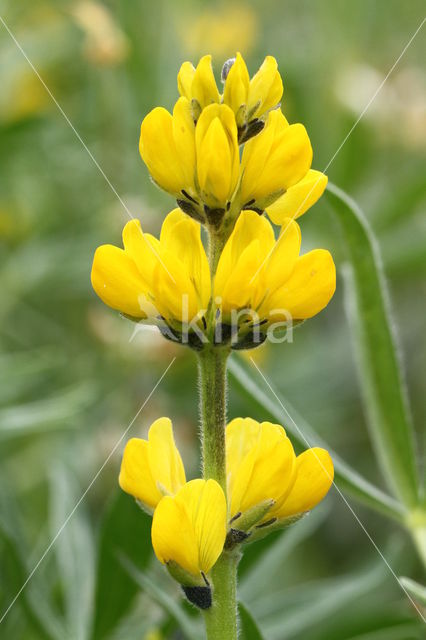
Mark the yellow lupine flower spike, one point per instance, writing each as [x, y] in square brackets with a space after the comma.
[198, 85]
[167, 146]
[298, 198]
[152, 468]
[166, 279]
[218, 161]
[261, 464]
[189, 529]
[257, 273]
[273, 161]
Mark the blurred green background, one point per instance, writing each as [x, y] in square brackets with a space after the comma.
[73, 374]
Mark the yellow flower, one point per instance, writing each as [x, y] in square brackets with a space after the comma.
[258, 273]
[274, 160]
[266, 89]
[251, 99]
[167, 146]
[189, 529]
[152, 468]
[298, 198]
[198, 85]
[261, 464]
[166, 279]
[218, 160]
[266, 479]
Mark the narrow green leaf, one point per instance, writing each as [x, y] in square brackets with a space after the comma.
[248, 627]
[379, 368]
[189, 626]
[416, 590]
[346, 477]
[74, 552]
[125, 528]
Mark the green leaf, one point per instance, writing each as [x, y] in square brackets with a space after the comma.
[380, 375]
[33, 598]
[346, 477]
[248, 627]
[187, 625]
[416, 590]
[74, 551]
[125, 528]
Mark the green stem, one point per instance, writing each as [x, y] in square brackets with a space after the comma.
[212, 381]
[221, 618]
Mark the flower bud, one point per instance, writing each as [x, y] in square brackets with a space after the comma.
[198, 85]
[237, 88]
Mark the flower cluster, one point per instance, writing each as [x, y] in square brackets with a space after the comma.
[235, 167]
[268, 487]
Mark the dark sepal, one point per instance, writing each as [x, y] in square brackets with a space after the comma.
[214, 216]
[201, 597]
[248, 342]
[190, 210]
[249, 130]
[235, 536]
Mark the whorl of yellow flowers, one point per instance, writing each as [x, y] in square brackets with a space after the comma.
[268, 487]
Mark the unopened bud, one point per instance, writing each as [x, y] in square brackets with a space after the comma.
[226, 68]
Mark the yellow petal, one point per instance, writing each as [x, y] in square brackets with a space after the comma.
[135, 476]
[184, 140]
[266, 88]
[218, 164]
[282, 260]
[237, 85]
[260, 463]
[298, 198]
[204, 88]
[190, 528]
[185, 79]
[250, 227]
[314, 477]
[165, 462]
[173, 536]
[143, 249]
[158, 151]
[289, 161]
[309, 288]
[117, 281]
[181, 236]
[257, 152]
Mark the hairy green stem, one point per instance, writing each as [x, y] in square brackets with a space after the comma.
[212, 381]
[221, 618]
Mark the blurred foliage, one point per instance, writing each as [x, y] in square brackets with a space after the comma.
[73, 374]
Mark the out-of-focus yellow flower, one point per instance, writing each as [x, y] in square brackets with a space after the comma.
[219, 29]
[189, 529]
[266, 481]
[218, 161]
[152, 468]
[298, 198]
[105, 42]
[258, 273]
[198, 84]
[149, 278]
[167, 146]
[274, 160]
